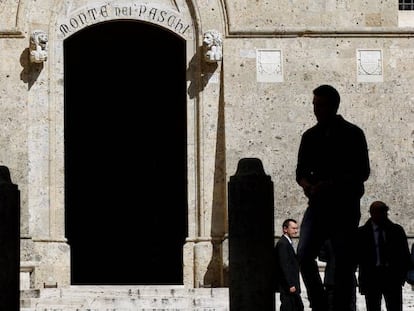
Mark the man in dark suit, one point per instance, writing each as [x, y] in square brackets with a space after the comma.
[287, 269]
[383, 259]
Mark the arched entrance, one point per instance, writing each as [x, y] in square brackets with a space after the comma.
[125, 154]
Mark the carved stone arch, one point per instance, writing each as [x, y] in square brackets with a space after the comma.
[203, 253]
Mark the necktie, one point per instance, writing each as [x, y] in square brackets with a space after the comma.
[381, 247]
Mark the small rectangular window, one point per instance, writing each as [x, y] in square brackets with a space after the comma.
[405, 5]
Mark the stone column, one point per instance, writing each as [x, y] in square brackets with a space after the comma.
[251, 238]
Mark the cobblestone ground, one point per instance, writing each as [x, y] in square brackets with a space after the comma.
[408, 300]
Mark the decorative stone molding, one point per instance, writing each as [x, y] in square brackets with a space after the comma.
[212, 45]
[38, 46]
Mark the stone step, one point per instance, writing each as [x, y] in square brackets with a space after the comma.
[108, 308]
[151, 298]
[127, 298]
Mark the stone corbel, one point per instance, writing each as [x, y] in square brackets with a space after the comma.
[212, 46]
[38, 46]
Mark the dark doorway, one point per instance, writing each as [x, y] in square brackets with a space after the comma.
[125, 154]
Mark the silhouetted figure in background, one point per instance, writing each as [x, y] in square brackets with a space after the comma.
[383, 259]
[332, 166]
[287, 269]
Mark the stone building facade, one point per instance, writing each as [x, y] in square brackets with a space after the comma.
[247, 95]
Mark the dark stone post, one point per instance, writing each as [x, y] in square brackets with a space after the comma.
[9, 243]
[251, 238]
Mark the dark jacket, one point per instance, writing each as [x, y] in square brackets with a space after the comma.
[287, 266]
[397, 254]
[337, 153]
[410, 275]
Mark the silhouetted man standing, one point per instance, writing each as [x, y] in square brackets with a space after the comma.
[383, 258]
[332, 166]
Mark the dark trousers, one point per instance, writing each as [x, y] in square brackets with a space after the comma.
[383, 286]
[337, 222]
[291, 302]
[392, 297]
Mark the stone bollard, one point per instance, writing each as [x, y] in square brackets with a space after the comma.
[9, 243]
[251, 238]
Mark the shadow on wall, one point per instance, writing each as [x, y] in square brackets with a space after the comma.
[31, 71]
[199, 78]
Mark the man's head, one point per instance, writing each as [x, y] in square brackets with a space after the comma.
[379, 212]
[290, 227]
[326, 101]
